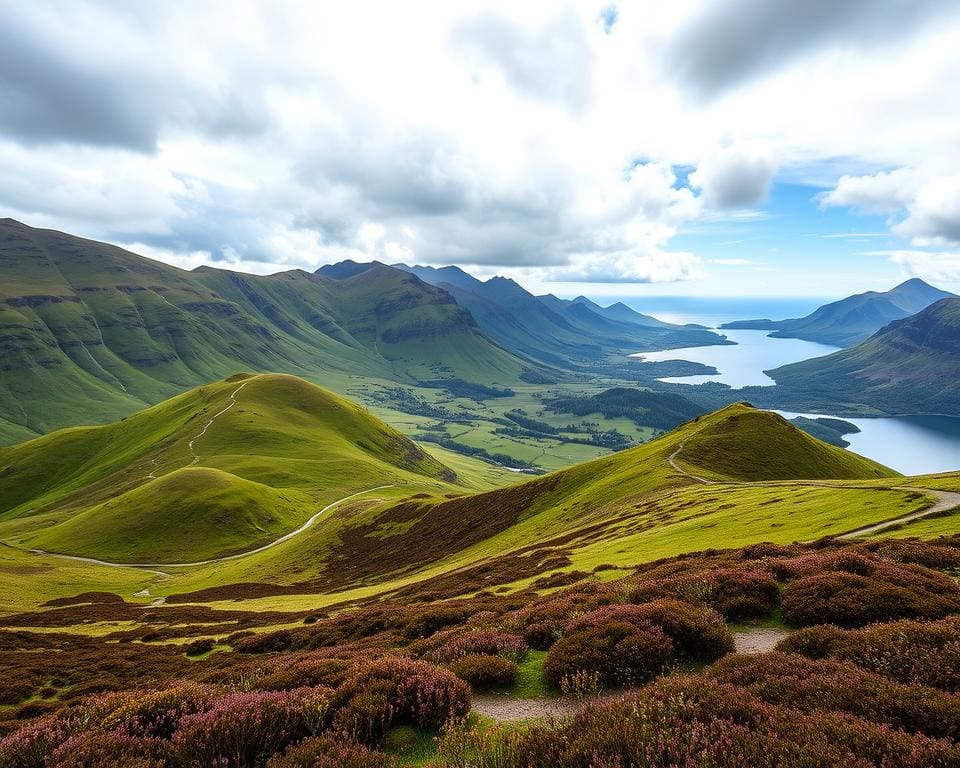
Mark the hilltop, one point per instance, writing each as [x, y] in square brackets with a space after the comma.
[910, 366]
[91, 332]
[855, 318]
[218, 469]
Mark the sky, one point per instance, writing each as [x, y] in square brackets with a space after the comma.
[696, 147]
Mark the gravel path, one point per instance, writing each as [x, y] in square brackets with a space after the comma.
[758, 639]
[506, 709]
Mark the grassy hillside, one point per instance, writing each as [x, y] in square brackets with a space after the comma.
[90, 332]
[741, 443]
[626, 507]
[218, 469]
[911, 366]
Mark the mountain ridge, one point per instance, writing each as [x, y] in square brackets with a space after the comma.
[851, 320]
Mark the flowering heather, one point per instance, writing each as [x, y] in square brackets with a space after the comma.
[486, 643]
[244, 729]
[694, 723]
[485, 673]
[736, 593]
[330, 752]
[838, 686]
[623, 647]
[920, 652]
[696, 632]
[397, 691]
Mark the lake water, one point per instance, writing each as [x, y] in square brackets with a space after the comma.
[741, 365]
[914, 445]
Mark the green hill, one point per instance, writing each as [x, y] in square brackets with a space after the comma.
[218, 469]
[627, 507]
[855, 318]
[90, 332]
[745, 444]
[910, 366]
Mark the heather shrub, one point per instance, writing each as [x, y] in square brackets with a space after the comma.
[267, 642]
[156, 714]
[484, 672]
[113, 749]
[616, 642]
[330, 752]
[305, 672]
[738, 594]
[542, 634]
[817, 642]
[694, 722]
[853, 600]
[806, 685]
[696, 632]
[244, 729]
[926, 653]
[429, 620]
[29, 746]
[485, 643]
[199, 647]
[396, 691]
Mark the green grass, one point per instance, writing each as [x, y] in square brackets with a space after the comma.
[279, 451]
[530, 682]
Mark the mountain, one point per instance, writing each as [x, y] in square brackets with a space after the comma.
[556, 331]
[621, 313]
[90, 332]
[911, 366]
[853, 319]
[218, 469]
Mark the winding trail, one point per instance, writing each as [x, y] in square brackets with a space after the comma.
[211, 561]
[944, 500]
[233, 402]
[673, 463]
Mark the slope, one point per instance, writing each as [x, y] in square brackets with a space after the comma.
[910, 366]
[90, 332]
[855, 318]
[555, 331]
[218, 469]
[650, 495]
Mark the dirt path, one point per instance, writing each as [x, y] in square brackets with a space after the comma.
[945, 501]
[505, 709]
[225, 558]
[758, 639]
[673, 463]
[233, 402]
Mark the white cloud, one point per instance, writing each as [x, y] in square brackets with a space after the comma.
[924, 205]
[496, 134]
[934, 267]
[735, 175]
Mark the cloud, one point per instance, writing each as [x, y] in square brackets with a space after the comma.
[735, 176]
[732, 41]
[934, 267]
[885, 192]
[924, 207]
[60, 82]
[552, 62]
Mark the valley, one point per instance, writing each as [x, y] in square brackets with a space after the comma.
[362, 480]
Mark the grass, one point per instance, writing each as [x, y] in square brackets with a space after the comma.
[621, 509]
[530, 682]
[278, 450]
